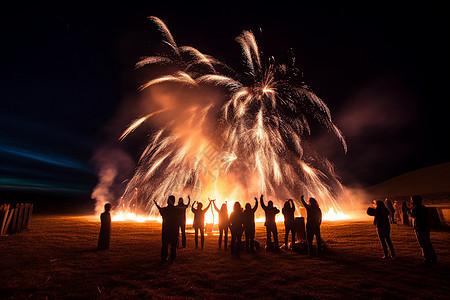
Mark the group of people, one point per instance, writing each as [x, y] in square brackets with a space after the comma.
[240, 221]
[384, 215]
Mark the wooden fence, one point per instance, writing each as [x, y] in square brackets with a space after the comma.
[16, 219]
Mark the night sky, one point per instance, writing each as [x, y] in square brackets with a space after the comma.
[382, 68]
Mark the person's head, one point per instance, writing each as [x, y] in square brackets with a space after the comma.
[270, 203]
[380, 204]
[416, 200]
[180, 200]
[199, 205]
[374, 203]
[107, 206]
[313, 202]
[237, 206]
[224, 207]
[248, 206]
[171, 200]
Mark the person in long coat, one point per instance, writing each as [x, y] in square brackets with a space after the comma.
[223, 224]
[288, 212]
[236, 228]
[249, 226]
[313, 222]
[104, 237]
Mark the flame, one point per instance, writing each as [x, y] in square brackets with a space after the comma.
[212, 217]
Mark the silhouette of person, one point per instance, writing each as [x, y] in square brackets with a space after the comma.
[398, 212]
[288, 212]
[421, 224]
[182, 221]
[391, 210]
[236, 228]
[381, 221]
[104, 237]
[271, 225]
[170, 223]
[249, 226]
[313, 221]
[405, 217]
[223, 223]
[199, 221]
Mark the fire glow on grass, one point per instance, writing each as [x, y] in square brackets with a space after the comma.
[221, 134]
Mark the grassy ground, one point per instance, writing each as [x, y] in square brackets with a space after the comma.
[56, 259]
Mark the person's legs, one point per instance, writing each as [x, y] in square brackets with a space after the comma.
[238, 242]
[275, 238]
[221, 232]
[318, 240]
[382, 236]
[391, 246]
[309, 238]
[225, 241]
[183, 235]
[164, 251]
[293, 236]
[173, 250]
[286, 237]
[202, 232]
[423, 237]
[196, 237]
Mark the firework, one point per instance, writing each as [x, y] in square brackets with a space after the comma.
[228, 135]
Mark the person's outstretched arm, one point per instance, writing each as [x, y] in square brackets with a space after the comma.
[192, 207]
[214, 204]
[208, 206]
[262, 202]
[189, 201]
[292, 204]
[303, 201]
[256, 205]
[159, 207]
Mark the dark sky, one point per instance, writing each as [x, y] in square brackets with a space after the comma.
[381, 67]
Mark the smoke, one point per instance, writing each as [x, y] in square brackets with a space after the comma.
[113, 167]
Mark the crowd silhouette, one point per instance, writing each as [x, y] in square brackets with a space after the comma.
[242, 222]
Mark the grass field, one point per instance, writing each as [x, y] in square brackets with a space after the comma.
[55, 258]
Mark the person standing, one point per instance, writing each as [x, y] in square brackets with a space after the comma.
[289, 224]
[104, 237]
[271, 225]
[199, 221]
[249, 226]
[391, 210]
[313, 222]
[381, 221]
[170, 223]
[236, 228]
[182, 225]
[223, 223]
[421, 225]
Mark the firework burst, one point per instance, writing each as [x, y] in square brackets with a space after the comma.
[231, 136]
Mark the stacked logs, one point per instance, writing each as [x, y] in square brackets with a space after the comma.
[16, 219]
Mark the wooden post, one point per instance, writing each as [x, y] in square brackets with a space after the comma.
[30, 211]
[11, 213]
[25, 216]
[20, 217]
[4, 213]
[14, 220]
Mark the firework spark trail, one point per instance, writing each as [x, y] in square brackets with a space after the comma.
[230, 136]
